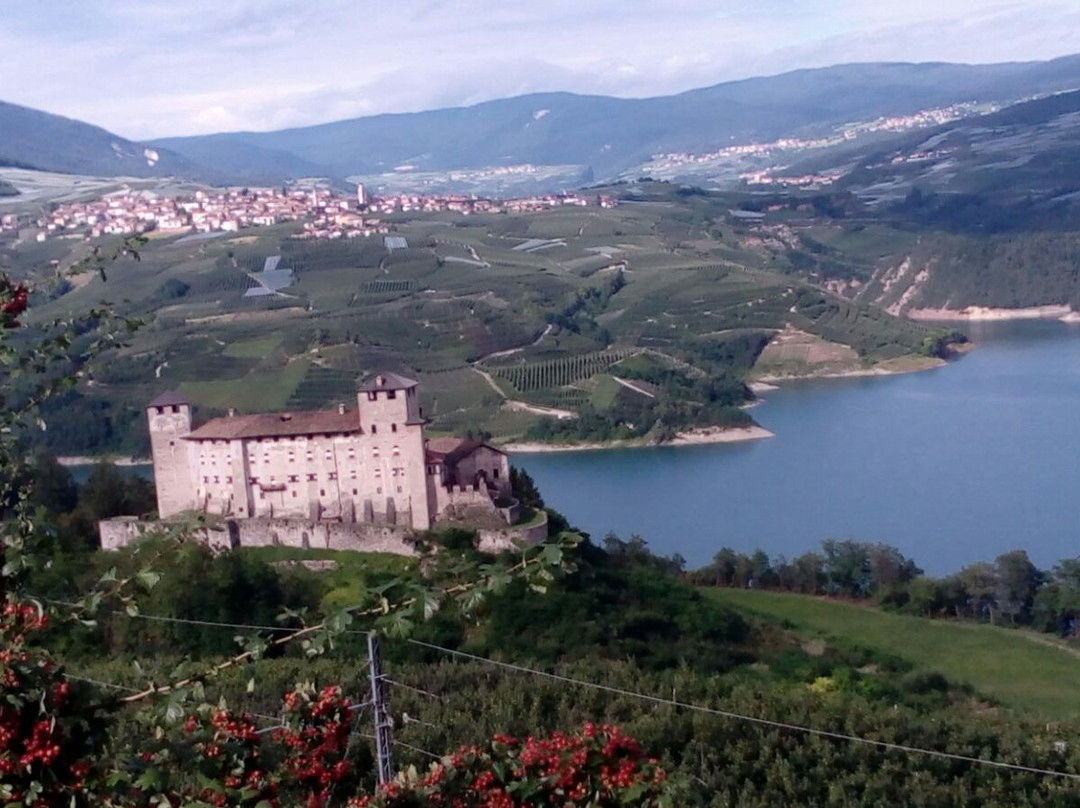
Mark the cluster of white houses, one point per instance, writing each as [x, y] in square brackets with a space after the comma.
[372, 464]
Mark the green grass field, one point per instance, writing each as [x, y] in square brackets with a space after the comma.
[1030, 673]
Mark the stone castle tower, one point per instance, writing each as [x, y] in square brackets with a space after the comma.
[169, 417]
[389, 409]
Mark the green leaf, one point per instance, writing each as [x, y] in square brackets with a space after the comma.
[148, 578]
[551, 555]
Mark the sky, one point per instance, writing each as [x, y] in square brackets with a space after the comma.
[153, 68]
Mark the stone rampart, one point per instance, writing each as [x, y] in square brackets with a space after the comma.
[495, 541]
[227, 534]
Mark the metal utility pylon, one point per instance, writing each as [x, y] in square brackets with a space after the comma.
[381, 710]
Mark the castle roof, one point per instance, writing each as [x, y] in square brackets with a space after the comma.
[387, 381]
[170, 398]
[449, 450]
[278, 425]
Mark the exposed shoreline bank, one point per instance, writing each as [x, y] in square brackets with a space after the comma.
[693, 437]
[989, 314]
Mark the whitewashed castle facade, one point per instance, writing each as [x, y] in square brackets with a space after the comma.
[373, 464]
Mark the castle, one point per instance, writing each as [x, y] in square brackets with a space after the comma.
[372, 465]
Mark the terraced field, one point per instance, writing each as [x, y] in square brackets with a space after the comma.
[551, 305]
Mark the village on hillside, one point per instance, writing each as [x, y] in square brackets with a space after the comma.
[326, 214]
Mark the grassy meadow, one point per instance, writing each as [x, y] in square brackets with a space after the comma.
[1030, 673]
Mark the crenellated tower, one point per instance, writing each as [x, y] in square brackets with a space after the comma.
[169, 418]
[393, 425]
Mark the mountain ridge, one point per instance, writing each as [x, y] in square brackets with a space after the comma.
[590, 135]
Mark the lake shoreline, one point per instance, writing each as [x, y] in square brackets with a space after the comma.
[1061, 312]
[692, 437]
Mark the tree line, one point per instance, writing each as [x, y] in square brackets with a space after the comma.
[1009, 590]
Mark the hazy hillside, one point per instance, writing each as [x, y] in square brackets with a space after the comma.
[33, 139]
[1024, 153]
[610, 134]
[570, 137]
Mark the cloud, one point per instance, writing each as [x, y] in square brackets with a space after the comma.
[150, 68]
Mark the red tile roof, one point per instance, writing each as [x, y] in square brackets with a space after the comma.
[278, 425]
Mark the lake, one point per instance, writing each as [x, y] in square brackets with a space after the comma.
[951, 466]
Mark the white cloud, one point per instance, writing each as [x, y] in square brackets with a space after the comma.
[147, 68]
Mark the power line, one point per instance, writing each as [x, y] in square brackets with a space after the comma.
[99, 683]
[189, 621]
[404, 745]
[839, 736]
[390, 681]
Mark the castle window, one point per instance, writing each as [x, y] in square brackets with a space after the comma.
[310, 457]
[354, 492]
[352, 474]
[262, 495]
[228, 480]
[312, 477]
[176, 408]
[254, 480]
[216, 479]
[393, 427]
[294, 478]
[397, 451]
[495, 473]
[391, 393]
[374, 429]
[206, 479]
[399, 489]
[160, 410]
[332, 475]
[378, 490]
[322, 492]
[172, 443]
[294, 494]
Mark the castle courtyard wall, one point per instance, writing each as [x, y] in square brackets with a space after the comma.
[309, 534]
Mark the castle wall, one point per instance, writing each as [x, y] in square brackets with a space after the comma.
[496, 541]
[303, 534]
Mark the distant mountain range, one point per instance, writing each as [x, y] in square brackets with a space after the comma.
[594, 137]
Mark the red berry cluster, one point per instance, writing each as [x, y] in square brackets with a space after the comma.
[42, 726]
[13, 301]
[600, 766]
[222, 759]
[315, 741]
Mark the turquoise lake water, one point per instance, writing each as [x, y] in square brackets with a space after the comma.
[951, 466]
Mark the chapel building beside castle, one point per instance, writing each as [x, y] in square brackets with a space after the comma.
[373, 464]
